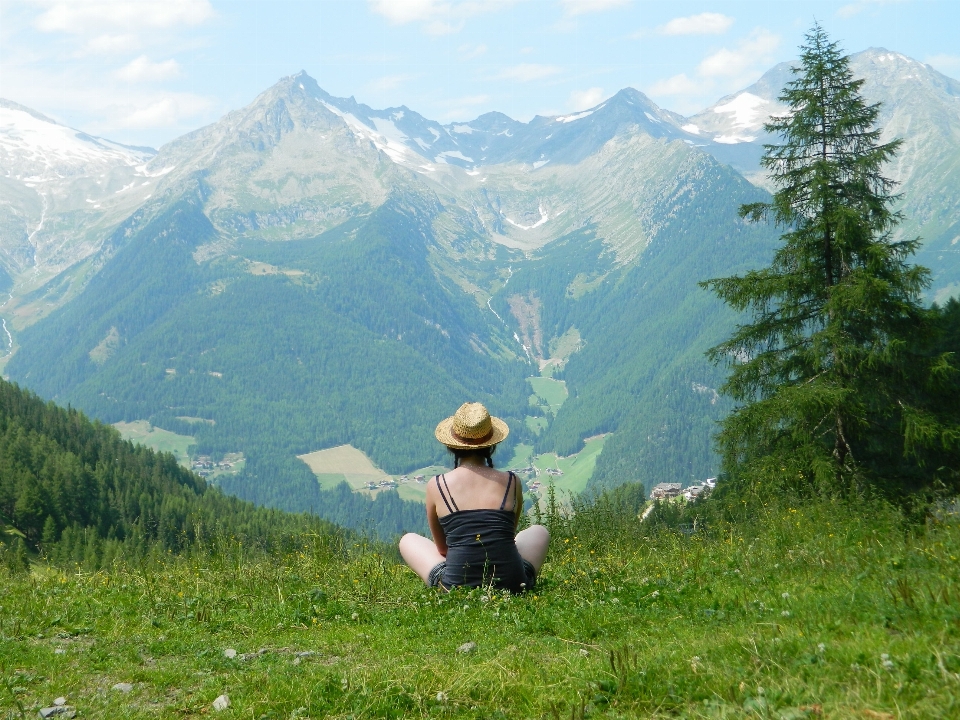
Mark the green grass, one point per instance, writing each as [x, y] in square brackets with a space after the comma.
[576, 469]
[811, 612]
[550, 393]
[143, 433]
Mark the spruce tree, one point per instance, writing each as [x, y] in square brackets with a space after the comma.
[830, 378]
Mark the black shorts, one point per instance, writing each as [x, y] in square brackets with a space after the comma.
[435, 576]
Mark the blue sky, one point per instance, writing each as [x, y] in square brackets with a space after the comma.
[146, 71]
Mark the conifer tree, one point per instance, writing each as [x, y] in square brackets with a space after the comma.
[830, 378]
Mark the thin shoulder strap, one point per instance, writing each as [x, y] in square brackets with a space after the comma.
[444, 495]
[510, 479]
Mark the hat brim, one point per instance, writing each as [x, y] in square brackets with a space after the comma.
[444, 433]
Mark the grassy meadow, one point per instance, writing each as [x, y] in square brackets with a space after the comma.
[144, 433]
[818, 611]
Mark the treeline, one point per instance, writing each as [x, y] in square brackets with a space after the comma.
[76, 491]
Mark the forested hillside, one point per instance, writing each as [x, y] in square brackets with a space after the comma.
[76, 491]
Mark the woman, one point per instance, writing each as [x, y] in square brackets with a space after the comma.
[473, 512]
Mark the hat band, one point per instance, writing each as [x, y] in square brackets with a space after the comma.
[471, 441]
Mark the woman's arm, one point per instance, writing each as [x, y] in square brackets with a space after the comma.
[439, 538]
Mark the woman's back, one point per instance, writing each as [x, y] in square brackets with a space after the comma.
[473, 487]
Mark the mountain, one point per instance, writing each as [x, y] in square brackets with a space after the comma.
[309, 272]
[62, 192]
[918, 105]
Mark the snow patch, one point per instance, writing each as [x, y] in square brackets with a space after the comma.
[540, 164]
[462, 129]
[538, 223]
[690, 128]
[733, 139]
[387, 137]
[442, 157]
[572, 118]
[27, 137]
[746, 109]
[650, 117]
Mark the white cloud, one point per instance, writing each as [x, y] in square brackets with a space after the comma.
[143, 69]
[947, 64]
[528, 72]
[166, 111]
[582, 7]
[758, 48]
[583, 99]
[94, 16]
[440, 17]
[469, 52]
[676, 85]
[707, 23]
[112, 44]
[859, 6]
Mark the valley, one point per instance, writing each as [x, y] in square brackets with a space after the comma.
[309, 272]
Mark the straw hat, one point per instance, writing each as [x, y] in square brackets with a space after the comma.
[471, 428]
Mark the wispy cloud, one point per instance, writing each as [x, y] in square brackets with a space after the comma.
[676, 85]
[720, 72]
[583, 99]
[859, 6]
[528, 72]
[168, 110]
[583, 7]
[757, 49]
[947, 64]
[94, 16]
[470, 52]
[463, 107]
[143, 69]
[111, 44]
[389, 82]
[439, 17]
[707, 23]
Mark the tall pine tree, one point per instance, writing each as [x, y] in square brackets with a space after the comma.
[830, 378]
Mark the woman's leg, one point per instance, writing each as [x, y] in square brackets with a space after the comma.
[420, 554]
[532, 544]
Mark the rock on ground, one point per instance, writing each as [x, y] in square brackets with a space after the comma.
[221, 703]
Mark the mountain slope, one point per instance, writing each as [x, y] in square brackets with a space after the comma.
[313, 272]
[918, 105]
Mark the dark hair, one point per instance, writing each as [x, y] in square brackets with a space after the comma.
[485, 453]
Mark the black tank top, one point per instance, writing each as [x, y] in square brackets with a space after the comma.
[481, 549]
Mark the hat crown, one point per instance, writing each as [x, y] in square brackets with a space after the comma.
[472, 422]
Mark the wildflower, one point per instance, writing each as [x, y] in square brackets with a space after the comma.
[442, 697]
[885, 662]
[655, 594]
[785, 613]
[821, 648]
[584, 652]
[785, 596]
[355, 616]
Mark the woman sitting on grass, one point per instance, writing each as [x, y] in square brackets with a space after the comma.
[473, 512]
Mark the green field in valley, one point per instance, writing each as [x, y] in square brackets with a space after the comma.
[143, 433]
[548, 393]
